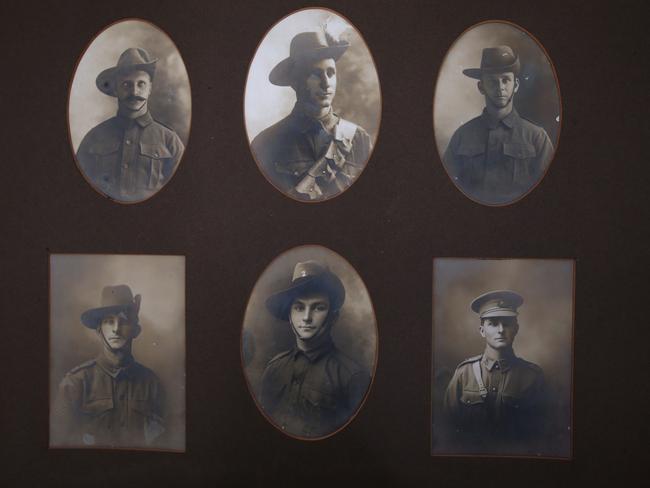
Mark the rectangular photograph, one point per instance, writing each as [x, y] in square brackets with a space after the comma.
[502, 368]
[117, 351]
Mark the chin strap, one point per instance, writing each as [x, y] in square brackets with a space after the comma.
[476, 367]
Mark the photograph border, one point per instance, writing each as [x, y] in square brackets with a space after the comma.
[49, 446]
[67, 110]
[381, 105]
[561, 114]
[570, 457]
[241, 348]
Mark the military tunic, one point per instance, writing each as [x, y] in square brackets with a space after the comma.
[498, 161]
[312, 393]
[99, 404]
[510, 417]
[129, 159]
[287, 151]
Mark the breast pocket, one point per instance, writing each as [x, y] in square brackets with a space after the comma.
[97, 407]
[470, 158]
[147, 419]
[522, 157]
[471, 398]
[319, 400]
[152, 160]
[296, 168]
[106, 156]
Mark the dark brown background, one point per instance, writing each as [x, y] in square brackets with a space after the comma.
[230, 223]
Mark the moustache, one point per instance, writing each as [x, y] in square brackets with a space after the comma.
[135, 99]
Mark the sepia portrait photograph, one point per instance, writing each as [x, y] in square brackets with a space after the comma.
[309, 343]
[129, 111]
[497, 112]
[502, 364]
[117, 352]
[312, 105]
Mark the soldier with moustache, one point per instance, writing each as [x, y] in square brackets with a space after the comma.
[130, 156]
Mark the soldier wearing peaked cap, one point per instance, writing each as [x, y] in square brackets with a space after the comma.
[312, 389]
[496, 401]
[313, 153]
[499, 155]
[130, 156]
[110, 401]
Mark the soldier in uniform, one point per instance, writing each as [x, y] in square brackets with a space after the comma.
[496, 402]
[499, 155]
[110, 401]
[312, 389]
[313, 153]
[130, 156]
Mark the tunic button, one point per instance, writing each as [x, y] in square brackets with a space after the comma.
[467, 401]
[494, 388]
[156, 154]
[128, 142]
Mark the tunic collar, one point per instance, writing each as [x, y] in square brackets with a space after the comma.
[304, 123]
[510, 120]
[143, 121]
[316, 353]
[503, 364]
[111, 369]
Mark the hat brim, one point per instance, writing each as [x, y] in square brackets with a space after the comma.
[281, 74]
[279, 303]
[476, 73]
[93, 318]
[499, 313]
[106, 79]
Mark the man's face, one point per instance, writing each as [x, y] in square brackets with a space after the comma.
[499, 332]
[319, 86]
[133, 90]
[308, 315]
[498, 88]
[118, 331]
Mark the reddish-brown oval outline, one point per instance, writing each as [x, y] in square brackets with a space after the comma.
[374, 64]
[375, 359]
[74, 75]
[559, 96]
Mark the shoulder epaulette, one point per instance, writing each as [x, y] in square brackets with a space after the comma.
[534, 122]
[473, 359]
[279, 356]
[530, 365]
[85, 365]
[164, 125]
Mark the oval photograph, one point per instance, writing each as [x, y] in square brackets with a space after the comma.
[309, 342]
[312, 105]
[497, 112]
[129, 111]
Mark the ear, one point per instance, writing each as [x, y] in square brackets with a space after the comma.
[333, 318]
[136, 331]
[480, 87]
[516, 84]
[481, 329]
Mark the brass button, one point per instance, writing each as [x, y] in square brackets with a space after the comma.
[128, 142]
